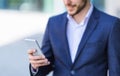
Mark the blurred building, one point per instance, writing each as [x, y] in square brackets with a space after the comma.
[56, 6]
[32, 5]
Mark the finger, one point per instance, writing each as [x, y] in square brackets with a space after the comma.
[39, 65]
[31, 51]
[40, 57]
[44, 64]
[39, 61]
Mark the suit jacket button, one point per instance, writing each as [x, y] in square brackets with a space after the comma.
[72, 72]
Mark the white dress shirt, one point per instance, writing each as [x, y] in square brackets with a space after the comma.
[75, 32]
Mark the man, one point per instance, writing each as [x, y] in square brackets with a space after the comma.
[82, 42]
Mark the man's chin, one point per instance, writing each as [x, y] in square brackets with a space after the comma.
[71, 13]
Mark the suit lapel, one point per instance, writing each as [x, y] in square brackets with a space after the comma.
[66, 51]
[89, 29]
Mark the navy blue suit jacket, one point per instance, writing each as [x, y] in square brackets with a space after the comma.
[98, 52]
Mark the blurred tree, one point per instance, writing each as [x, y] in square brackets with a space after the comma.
[3, 4]
[48, 5]
[14, 4]
[99, 3]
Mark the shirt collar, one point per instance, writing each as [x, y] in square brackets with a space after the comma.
[70, 19]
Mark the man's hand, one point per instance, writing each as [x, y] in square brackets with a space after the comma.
[37, 61]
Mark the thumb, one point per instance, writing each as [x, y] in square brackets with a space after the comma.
[31, 51]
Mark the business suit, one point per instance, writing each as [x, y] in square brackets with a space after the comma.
[98, 50]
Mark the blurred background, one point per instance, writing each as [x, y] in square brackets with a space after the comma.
[20, 19]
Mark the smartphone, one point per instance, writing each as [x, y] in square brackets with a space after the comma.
[33, 44]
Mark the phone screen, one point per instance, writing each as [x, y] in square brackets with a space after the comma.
[33, 44]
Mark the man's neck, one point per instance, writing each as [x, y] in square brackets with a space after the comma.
[81, 15]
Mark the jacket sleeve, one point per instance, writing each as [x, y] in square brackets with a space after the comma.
[114, 50]
[47, 51]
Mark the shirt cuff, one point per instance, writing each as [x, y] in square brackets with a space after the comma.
[34, 71]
